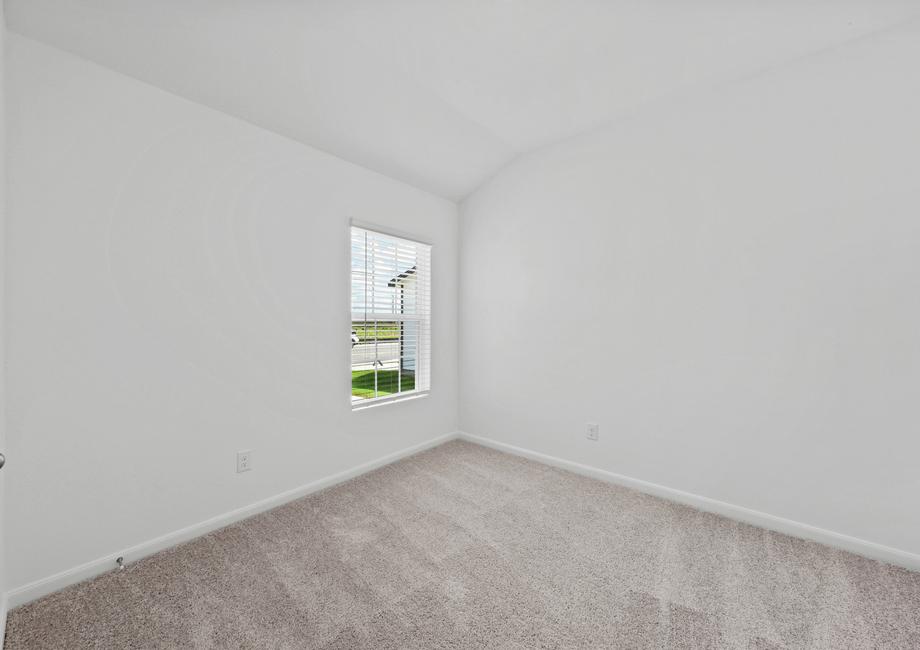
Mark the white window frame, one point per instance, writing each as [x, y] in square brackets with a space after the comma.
[407, 396]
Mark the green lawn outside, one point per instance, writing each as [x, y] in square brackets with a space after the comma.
[383, 332]
[362, 383]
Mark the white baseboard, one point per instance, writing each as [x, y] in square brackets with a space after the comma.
[3, 605]
[39, 588]
[862, 547]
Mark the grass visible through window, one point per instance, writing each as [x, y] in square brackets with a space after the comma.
[362, 383]
[384, 331]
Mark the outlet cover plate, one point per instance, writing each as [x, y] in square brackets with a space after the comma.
[592, 431]
[243, 461]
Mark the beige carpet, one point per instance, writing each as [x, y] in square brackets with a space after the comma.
[465, 547]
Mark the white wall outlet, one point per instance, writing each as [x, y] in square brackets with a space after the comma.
[592, 430]
[243, 461]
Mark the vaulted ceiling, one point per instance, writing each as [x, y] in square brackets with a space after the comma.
[442, 93]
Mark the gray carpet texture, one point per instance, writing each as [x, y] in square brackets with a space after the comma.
[465, 547]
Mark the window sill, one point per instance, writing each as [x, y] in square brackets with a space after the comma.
[366, 404]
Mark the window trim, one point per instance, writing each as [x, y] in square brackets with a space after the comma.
[372, 402]
[384, 230]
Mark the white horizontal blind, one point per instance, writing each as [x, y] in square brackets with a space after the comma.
[390, 316]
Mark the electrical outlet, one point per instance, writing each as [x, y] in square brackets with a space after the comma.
[591, 431]
[243, 461]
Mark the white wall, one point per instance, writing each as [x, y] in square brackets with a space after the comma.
[177, 291]
[728, 285]
[2, 319]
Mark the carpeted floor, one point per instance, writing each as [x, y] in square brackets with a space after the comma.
[465, 547]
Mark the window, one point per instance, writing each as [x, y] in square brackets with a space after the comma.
[390, 317]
